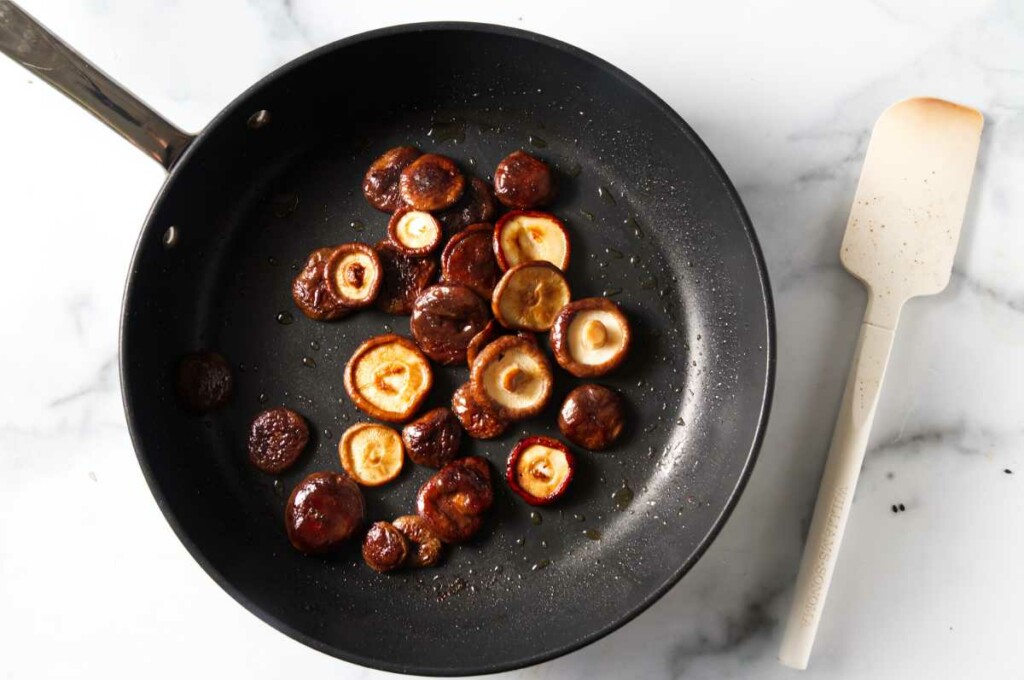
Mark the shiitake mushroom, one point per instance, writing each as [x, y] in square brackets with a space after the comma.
[468, 259]
[434, 438]
[405, 277]
[523, 181]
[513, 375]
[414, 232]
[385, 548]
[592, 416]
[530, 295]
[203, 381]
[431, 182]
[444, 319]
[380, 185]
[529, 236]
[388, 377]
[475, 206]
[324, 510]
[354, 274]
[277, 437]
[425, 546]
[478, 417]
[312, 290]
[453, 502]
[590, 337]
[539, 469]
[372, 454]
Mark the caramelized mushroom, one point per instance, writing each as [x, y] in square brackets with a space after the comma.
[324, 510]
[312, 289]
[371, 453]
[354, 274]
[531, 236]
[530, 295]
[478, 417]
[384, 547]
[514, 376]
[380, 186]
[204, 381]
[590, 337]
[431, 182]
[388, 377]
[405, 277]
[454, 500]
[523, 181]
[444, 319]
[491, 332]
[414, 232]
[433, 439]
[427, 546]
[277, 437]
[539, 469]
[592, 416]
[475, 206]
[468, 259]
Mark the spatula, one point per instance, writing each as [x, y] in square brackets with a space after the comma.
[900, 241]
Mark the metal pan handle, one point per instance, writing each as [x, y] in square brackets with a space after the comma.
[27, 42]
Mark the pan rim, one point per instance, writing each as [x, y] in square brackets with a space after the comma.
[656, 593]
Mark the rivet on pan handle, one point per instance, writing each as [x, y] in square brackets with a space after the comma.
[27, 42]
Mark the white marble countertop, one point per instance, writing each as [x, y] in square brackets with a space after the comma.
[94, 583]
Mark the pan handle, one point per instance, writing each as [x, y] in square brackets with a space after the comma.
[27, 42]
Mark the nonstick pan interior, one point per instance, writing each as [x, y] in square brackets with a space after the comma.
[654, 223]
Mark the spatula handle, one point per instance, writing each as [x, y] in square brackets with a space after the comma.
[849, 441]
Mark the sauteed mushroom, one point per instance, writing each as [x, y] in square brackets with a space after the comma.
[433, 439]
[475, 206]
[454, 500]
[384, 547]
[592, 416]
[204, 381]
[372, 454]
[388, 377]
[405, 277]
[414, 232]
[312, 289]
[445, 318]
[468, 259]
[513, 375]
[431, 182]
[354, 274]
[590, 337]
[380, 186]
[530, 295]
[539, 469]
[426, 547]
[523, 181]
[530, 236]
[277, 437]
[324, 510]
[478, 417]
[491, 332]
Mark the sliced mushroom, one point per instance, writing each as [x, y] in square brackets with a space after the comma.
[354, 274]
[468, 259]
[592, 416]
[444, 319]
[454, 500]
[529, 296]
[313, 292]
[523, 181]
[427, 546]
[590, 337]
[384, 547]
[388, 378]
[431, 182]
[478, 417]
[540, 469]
[433, 439]
[372, 454]
[380, 186]
[324, 510]
[405, 277]
[204, 381]
[531, 236]
[514, 376]
[414, 232]
[475, 206]
[277, 437]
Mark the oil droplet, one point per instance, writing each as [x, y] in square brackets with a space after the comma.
[284, 205]
[471, 161]
[606, 195]
[520, 542]
[587, 214]
[308, 362]
[623, 496]
[578, 517]
[447, 131]
[637, 231]
[357, 225]
[327, 433]
[241, 368]
[272, 261]
[314, 345]
[573, 169]
[649, 283]
[535, 517]
[615, 254]
[543, 544]
[540, 565]
[262, 398]
[611, 292]
[497, 569]
[538, 142]
[285, 318]
[592, 534]
[258, 120]
[279, 488]
[171, 236]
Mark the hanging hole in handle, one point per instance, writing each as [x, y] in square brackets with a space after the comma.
[171, 237]
[259, 119]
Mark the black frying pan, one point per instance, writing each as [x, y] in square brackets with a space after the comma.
[670, 240]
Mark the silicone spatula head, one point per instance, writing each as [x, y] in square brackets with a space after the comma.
[906, 217]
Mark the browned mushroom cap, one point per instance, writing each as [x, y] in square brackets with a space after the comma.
[427, 546]
[354, 274]
[478, 418]
[431, 182]
[592, 416]
[444, 319]
[523, 181]
[384, 547]
[380, 186]
[590, 337]
[204, 381]
[277, 437]
[325, 509]
[433, 439]
[514, 376]
[405, 277]
[529, 296]
[475, 206]
[414, 232]
[454, 500]
[529, 236]
[388, 378]
[313, 292]
[468, 259]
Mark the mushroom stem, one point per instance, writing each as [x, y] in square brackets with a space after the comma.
[595, 334]
[512, 378]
